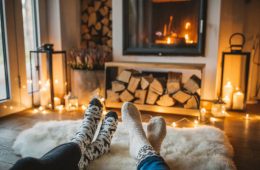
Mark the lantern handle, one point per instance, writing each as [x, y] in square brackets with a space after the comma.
[237, 47]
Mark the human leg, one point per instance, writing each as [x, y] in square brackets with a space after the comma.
[67, 156]
[102, 143]
[140, 148]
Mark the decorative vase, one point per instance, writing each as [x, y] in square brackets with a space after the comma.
[86, 84]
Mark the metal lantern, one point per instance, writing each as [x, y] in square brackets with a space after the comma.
[235, 73]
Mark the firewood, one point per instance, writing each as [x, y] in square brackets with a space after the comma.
[104, 11]
[105, 21]
[165, 100]
[105, 30]
[151, 97]
[125, 75]
[92, 19]
[156, 86]
[117, 86]
[126, 96]
[140, 95]
[181, 96]
[193, 84]
[98, 26]
[173, 82]
[133, 83]
[145, 81]
[112, 96]
[192, 103]
[97, 5]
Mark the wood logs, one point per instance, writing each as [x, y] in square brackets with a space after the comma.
[165, 90]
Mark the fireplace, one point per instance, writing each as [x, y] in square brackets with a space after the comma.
[164, 27]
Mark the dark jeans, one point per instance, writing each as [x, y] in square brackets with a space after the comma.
[63, 157]
[153, 163]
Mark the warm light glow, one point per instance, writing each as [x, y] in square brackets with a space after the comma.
[213, 120]
[102, 99]
[83, 107]
[5, 107]
[60, 108]
[24, 86]
[56, 81]
[104, 113]
[11, 107]
[168, 40]
[174, 124]
[44, 112]
[203, 110]
[29, 81]
[247, 117]
[39, 82]
[41, 108]
[187, 25]
[35, 110]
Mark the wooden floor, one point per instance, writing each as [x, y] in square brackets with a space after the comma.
[243, 134]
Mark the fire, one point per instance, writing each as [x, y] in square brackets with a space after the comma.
[169, 35]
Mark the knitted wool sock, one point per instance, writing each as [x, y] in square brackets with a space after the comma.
[102, 143]
[87, 130]
[140, 148]
[156, 132]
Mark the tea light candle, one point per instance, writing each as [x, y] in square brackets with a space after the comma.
[203, 112]
[238, 100]
[57, 101]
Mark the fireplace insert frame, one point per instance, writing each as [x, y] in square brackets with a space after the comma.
[196, 51]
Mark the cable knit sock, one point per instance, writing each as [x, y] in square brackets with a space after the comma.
[87, 130]
[102, 143]
[156, 132]
[140, 148]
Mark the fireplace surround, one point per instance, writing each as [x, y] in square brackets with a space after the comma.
[164, 27]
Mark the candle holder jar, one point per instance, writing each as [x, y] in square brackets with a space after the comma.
[218, 108]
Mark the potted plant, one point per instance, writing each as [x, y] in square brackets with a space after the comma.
[87, 73]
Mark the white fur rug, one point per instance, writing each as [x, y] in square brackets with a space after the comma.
[201, 148]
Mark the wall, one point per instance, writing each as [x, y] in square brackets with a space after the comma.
[242, 16]
[211, 52]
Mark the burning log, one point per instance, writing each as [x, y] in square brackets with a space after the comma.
[165, 100]
[193, 84]
[156, 86]
[145, 81]
[112, 96]
[140, 95]
[181, 96]
[117, 86]
[126, 96]
[173, 82]
[151, 97]
[133, 83]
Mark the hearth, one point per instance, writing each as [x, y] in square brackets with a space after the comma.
[164, 27]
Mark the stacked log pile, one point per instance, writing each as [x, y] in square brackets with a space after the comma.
[96, 24]
[133, 86]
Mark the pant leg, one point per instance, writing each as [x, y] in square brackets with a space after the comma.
[152, 163]
[63, 157]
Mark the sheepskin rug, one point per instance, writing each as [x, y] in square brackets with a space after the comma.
[200, 148]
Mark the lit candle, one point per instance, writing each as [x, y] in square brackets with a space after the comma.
[44, 96]
[238, 100]
[247, 117]
[203, 112]
[57, 101]
[228, 90]
[174, 124]
[59, 108]
[228, 102]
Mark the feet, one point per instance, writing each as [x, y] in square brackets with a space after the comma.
[102, 144]
[137, 139]
[87, 130]
[156, 132]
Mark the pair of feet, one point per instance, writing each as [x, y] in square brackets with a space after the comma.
[142, 145]
[90, 149]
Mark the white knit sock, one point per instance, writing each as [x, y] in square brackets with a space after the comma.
[139, 144]
[156, 132]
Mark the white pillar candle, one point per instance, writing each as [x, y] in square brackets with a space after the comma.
[228, 102]
[238, 100]
[228, 90]
[44, 96]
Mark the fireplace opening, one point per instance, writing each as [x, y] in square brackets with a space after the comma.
[164, 27]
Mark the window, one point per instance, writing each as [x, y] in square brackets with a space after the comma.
[4, 82]
[30, 42]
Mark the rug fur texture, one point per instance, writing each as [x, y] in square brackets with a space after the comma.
[201, 148]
